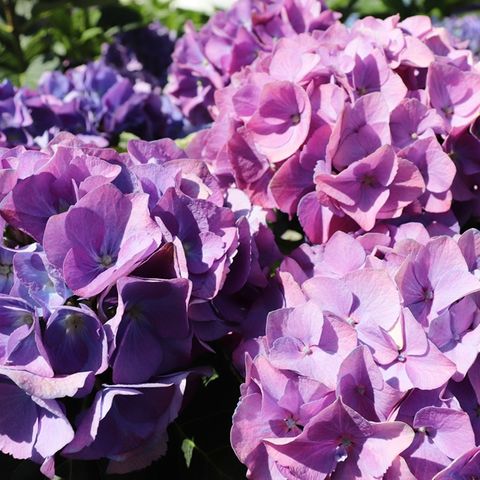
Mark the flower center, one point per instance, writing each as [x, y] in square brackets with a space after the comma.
[295, 118]
[428, 294]
[290, 423]
[73, 323]
[368, 180]
[306, 350]
[448, 111]
[5, 270]
[106, 261]
[423, 430]
[26, 319]
[401, 357]
[346, 442]
[360, 389]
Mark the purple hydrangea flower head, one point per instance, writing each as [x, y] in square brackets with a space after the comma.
[346, 96]
[466, 28]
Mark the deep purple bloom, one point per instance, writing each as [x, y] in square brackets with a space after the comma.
[75, 341]
[151, 333]
[127, 424]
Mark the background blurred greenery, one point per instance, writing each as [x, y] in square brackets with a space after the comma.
[40, 35]
[384, 8]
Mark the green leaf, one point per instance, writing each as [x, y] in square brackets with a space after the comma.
[185, 141]
[35, 69]
[91, 33]
[125, 137]
[188, 445]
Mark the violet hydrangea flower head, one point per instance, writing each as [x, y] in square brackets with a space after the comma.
[204, 61]
[99, 100]
[466, 28]
[127, 246]
[387, 361]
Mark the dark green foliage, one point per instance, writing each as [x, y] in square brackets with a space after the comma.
[384, 8]
[40, 35]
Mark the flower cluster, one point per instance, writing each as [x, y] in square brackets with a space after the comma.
[350, 128]
[115, 270]
[466, 28]
[372, 369]
[204, 61]
[121, 92]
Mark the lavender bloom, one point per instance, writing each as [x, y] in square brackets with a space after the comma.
[466, 28]
[339, 440]
[204, 61]
[131, 252]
